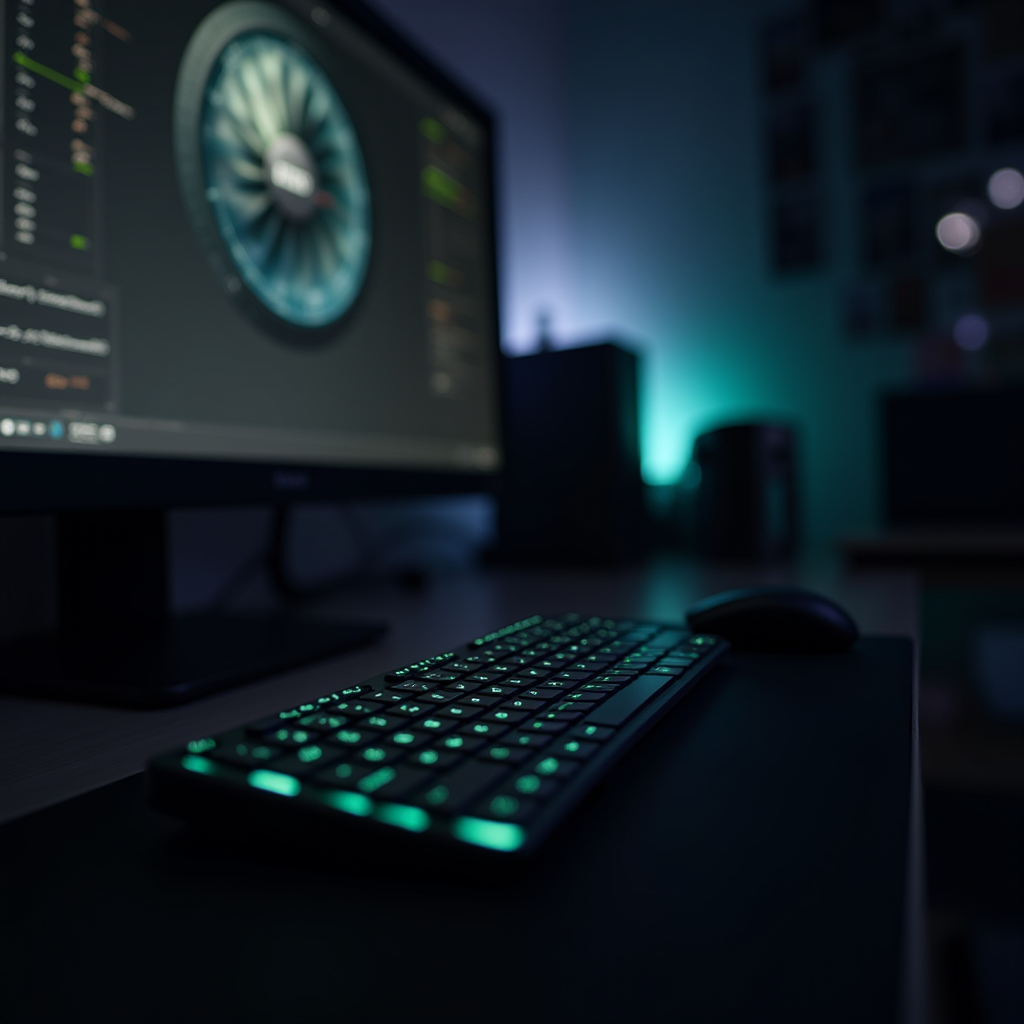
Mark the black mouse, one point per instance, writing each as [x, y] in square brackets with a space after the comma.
[775, 619]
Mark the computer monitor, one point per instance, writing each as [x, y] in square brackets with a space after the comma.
[246, 255]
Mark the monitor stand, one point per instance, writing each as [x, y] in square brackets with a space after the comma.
[117, 641]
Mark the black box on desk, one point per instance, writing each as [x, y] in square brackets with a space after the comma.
[573, 492]
[954, 458]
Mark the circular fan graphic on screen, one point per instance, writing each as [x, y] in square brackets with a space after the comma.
[273, 174]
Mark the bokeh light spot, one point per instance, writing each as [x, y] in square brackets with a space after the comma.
[970, 332]
[958, 232]
[1006, 188]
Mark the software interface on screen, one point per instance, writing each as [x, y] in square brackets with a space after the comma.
[243, 231]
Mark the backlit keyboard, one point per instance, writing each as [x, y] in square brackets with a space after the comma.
[490, 744]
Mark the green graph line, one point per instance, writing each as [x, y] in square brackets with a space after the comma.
[41, 69]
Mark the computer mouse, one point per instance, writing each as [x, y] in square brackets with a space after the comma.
[775, 618]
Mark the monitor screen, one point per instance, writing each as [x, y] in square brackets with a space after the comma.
[246, 233]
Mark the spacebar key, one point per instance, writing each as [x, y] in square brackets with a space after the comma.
[628, 701]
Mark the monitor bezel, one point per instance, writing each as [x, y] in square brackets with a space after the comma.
[52, 482]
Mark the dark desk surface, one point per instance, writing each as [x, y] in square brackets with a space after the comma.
[50, 751]
[753, 859]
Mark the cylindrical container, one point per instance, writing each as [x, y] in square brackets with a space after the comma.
[746, 498]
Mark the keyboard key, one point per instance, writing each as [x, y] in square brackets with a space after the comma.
[628, 701]
[593, 733]
[555, 663]
[507, 717]
[618, 677]
[578, 750]
[584, 696]
[462, 687]
[409, 709]
[396, 782]
[459, 711]
[481, 700]
[504, 753]
[415, 687]
[291, 738]
[489, 730]
[462, 786]
[381, 723]
[388, 696]
[516, 682]
[551, 692]
[379, 754]
[306, 760]
[410, 739]
[530, 740]
[494, 690]
[547, 728]
[463, 744]
[436, 726]
[438, 697]
[323, 722]
[350, 737]
[580, 707]
[343, 776]
[508, 808]
[531, 785]
[521, 704]
[555, 768]
[246, 755]
[438, 759]
[570, 714]
[356, 708]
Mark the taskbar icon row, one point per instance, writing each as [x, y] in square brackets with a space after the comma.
[75, 431]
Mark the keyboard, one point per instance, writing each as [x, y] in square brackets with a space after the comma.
[487, 746]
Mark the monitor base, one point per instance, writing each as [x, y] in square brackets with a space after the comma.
[174, 661]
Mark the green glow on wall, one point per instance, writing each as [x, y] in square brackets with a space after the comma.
[492, 835]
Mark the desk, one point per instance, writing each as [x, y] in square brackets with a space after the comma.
[764, 861]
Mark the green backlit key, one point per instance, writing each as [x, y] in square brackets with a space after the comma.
[487, 746]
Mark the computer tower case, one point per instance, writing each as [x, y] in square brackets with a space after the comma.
[573, 492]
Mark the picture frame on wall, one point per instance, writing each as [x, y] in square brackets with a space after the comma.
[909, 109]
[785, 53]
[797, 236]
[792, 143]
